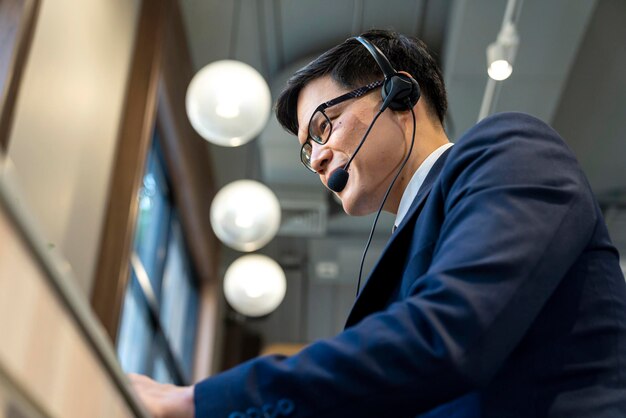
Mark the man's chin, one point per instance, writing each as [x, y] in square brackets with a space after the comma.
[348, 208]
[354, 209]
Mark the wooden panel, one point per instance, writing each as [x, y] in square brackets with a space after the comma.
[285, 349]
[136, 130]
[186, 153]
[17, 24]
[193, 185]
[42, 348]
[15, 402]
[207, 335]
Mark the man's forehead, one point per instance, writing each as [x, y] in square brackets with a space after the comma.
[313, 94]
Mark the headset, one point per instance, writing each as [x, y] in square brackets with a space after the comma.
[400, 92]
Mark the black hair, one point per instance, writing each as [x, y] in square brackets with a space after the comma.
[351, 66]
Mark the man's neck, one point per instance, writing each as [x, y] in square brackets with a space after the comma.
[427, 140]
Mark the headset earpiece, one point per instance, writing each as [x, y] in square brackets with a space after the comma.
[400, 91]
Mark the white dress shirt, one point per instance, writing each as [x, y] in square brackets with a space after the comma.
[416, 182]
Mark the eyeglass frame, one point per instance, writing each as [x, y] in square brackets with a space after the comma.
[356, 93]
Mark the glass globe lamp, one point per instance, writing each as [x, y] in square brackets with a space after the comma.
[245, 215]
[254, 285]
[228, 103]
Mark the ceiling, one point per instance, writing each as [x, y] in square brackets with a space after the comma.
[569, 71]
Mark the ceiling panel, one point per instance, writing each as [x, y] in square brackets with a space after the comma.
[592, 111]
[312, 26]
[208, 24]
[400, 15]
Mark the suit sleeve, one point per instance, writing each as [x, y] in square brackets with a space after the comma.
[517, 213]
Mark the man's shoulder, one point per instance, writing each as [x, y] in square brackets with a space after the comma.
[506, 125]
[508, 132]
[507, 146]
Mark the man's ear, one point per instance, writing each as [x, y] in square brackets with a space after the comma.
[415, 91]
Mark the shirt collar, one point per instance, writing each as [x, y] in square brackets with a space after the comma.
[416, 182]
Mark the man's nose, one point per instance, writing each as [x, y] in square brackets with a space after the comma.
[320, 157]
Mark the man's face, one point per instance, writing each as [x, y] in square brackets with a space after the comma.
[374, 166]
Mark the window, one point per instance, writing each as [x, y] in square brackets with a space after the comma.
[159, 313]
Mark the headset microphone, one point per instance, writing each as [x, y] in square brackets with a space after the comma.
[338, 179]
[399, 91]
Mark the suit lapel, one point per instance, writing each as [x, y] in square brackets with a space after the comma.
[387, 272]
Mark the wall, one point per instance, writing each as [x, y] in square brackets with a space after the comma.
[55, 359]
[64, 380]
[66, 121]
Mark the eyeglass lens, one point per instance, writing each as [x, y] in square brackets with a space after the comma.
[305, 155]
[319, 127]
[319, 131]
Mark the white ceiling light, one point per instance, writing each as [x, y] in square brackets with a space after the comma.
[500, 56]
[254, 285]
[228, 103]
[500, 70]
[501, 53]
[245, 215]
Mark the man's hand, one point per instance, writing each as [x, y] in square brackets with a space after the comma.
[163, 401]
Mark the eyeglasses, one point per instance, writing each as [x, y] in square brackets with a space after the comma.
[320, 127]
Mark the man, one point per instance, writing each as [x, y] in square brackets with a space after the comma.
[498, 295]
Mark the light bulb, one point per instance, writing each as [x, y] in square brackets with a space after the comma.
[500, 70]
[254, 285]
[245, 215]
[228, 103]
[501, 53]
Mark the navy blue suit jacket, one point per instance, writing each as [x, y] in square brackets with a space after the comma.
[499, 295]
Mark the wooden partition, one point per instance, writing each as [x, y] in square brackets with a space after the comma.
[55, 360]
